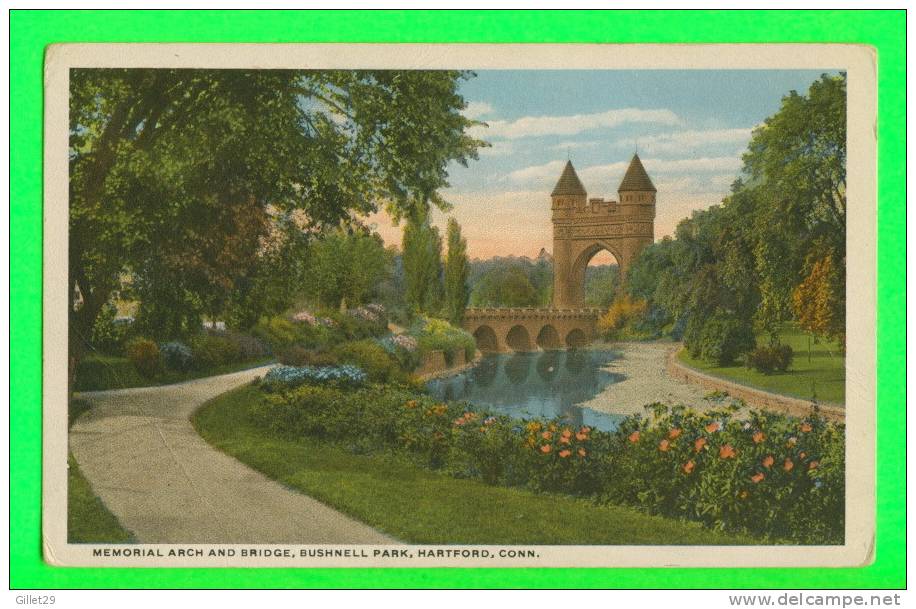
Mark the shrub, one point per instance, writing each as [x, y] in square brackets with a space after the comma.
[143, 353]
[371, 357]
[769, 474]
[109, 333]
[285, 377]
[720, 339]
[249, 347]
[439, 335]
[300, 356]
[212, 350]
[773, 358]
[404, 348]
[277, 332]
[176, 356]
[625, 312]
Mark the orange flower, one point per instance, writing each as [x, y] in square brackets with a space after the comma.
[545, 449]
[663, 445]
[759, 437]
[584, 429]
[699, 444]
[634, 437]
[674, 433]
[567, 433]
[410, 404]
[582, 452]
[564, 440]
[805, 427]
[712, 427]
[582, 437]
[813, 465]
[688, 467]
[564, 453]
[768, 461]
[757, 477]
[802, 455]
[788, 465]
[546, 435]
[726, 451]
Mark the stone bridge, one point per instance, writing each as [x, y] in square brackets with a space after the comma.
[530, 329]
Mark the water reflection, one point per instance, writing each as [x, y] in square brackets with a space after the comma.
[547, 384]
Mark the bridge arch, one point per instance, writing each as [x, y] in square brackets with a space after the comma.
[576, 339]
[518, 338]
[548, 338]
[486, 340]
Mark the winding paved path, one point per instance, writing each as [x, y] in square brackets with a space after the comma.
[165, 484]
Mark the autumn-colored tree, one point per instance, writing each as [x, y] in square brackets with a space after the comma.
[819, 301]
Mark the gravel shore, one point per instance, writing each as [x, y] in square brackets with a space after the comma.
[645, 382]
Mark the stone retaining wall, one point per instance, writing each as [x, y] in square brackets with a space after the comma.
[756, 398]
[434, 365]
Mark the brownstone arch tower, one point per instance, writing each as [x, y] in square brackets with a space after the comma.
[582, 227]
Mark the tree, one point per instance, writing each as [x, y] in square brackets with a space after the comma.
[505, 287]
[177, 175]
[817, 299]
[422, 260]
[457, 291]
[346, 266]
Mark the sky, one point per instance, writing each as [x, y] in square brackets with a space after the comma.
[689, 127]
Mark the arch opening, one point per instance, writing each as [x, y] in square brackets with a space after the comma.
[548, 339]
[518, 339]
[486, 340]
[596, 276]
[576, 339]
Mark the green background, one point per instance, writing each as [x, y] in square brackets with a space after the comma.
[32, 31]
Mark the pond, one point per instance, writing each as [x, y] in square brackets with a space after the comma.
[526, 385]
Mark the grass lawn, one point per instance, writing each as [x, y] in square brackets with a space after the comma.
[822, 376]
[417, 505]
[99, 372]
[88, 520]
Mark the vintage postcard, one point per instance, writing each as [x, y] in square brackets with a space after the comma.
[459, 305]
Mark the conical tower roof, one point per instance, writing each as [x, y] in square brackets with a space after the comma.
[636, 178]
[569, 183]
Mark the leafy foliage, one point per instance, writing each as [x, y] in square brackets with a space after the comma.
[203, 184]
[761, 256]
[345, 266]
[143, 353]
[422, 260]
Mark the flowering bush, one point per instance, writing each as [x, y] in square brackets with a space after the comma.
[176, 356]
[404, 348]
[291, 376]
[770, 474]
[439, 335]
[773, 475]
[143, 353]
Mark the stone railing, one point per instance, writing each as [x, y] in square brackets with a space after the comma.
[529, 313]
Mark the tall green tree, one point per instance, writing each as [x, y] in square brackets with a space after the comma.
[422, 260]
[346, 266]
[457, 291]
[505, 286]
[177, 175]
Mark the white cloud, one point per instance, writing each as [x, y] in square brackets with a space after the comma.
[533, 126]
[678, 141]
[476, 109]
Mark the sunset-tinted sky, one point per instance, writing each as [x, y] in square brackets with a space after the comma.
[690, 128]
